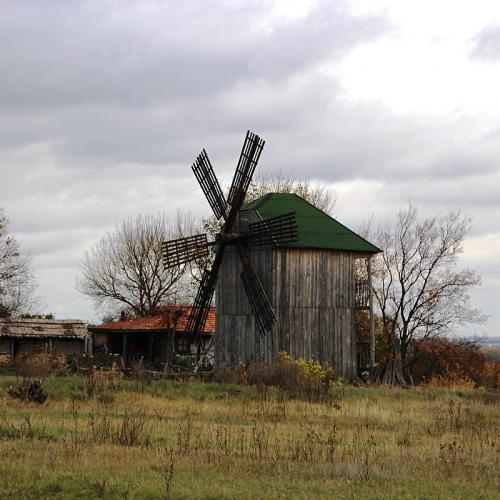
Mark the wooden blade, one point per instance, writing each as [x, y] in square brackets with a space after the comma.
[250, 154]
[184, 250]
[261, 307]
[275, 231]
[204, 296]
[205, 175]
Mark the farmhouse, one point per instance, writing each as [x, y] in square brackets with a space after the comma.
[153, 338]
[24, 337]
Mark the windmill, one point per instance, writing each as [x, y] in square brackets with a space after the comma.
[274, 231]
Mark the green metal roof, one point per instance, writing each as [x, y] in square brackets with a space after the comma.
[316, 229]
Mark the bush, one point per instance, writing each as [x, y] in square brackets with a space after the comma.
[40, 365]
[297, 377]
[492, 353]
[28, 391]
[443, 361]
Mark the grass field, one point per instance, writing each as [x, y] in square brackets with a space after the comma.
[136, 439]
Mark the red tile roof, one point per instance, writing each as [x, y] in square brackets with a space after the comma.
[169, 317]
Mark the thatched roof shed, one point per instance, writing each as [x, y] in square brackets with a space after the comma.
[25, 337]
[42, 328]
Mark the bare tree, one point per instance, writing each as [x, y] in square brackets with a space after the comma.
[418, 288]
[316, 194]
[125, 268]
[17, 281]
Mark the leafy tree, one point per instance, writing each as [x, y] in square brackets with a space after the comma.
[17, 282]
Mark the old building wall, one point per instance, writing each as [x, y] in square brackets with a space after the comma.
[312, 294]
[68, 346]
[5, 346]
[25, 347]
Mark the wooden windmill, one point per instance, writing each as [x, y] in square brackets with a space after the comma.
[273, 231]
[282, 267]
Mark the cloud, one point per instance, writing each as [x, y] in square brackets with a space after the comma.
[487, 44]
[105, 104]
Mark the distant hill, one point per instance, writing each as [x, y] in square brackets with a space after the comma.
[490, 342]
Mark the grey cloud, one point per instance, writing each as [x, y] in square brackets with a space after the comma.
[106, 103]
[113, 52]
[110, 82]
[487, 44]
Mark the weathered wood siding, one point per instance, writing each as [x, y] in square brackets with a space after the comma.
[5, 346]
[26, 347]
[312, 294]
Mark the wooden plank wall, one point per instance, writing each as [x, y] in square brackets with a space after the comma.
[314, 304]
[236, 339]
[312, 293]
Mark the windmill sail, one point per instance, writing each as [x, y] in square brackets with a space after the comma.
[250, 154]
[184, 250]
[204, 296]
[205, 175]
[274, 231]
[261, 308]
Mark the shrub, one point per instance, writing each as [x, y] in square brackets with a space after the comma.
[492, 353]
[452, 362]
[40, 365]
[29, 391]
[297, 377]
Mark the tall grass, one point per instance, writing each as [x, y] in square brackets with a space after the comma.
[173, 440]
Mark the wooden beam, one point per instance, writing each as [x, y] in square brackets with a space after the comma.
[372, 317]
[124, 348]
[150, 348]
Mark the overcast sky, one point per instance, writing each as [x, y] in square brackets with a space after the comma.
[105, 104]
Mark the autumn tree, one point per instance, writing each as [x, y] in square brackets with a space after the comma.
[418, 287]
[125, 268]
[17, 281]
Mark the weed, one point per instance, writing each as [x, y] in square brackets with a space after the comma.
[223, 441]
[366, 459]
[132, 431]
[450, 455]
[184, 434]
[166, 469]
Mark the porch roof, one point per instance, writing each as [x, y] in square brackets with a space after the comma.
[171, 317]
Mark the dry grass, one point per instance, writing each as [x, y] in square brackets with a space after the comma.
[137, 439]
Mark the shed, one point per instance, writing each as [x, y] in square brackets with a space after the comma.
[153, 338]
[24, 337]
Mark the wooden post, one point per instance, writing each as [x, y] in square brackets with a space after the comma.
[372, 317]
[150, 348]
[124, 348]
